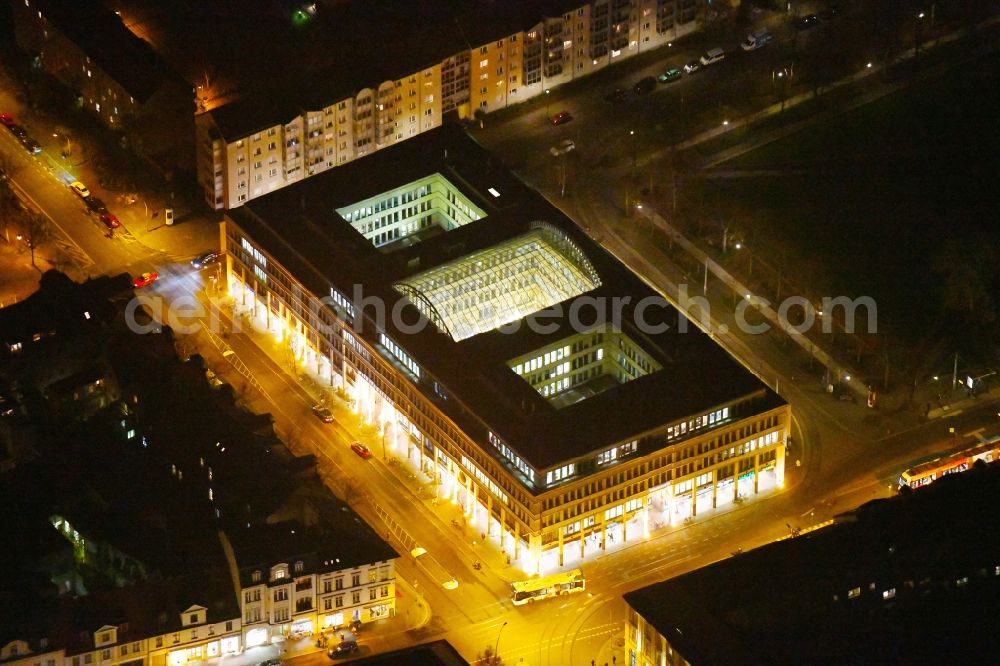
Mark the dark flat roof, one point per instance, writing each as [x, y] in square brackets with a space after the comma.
[299, 226]
[936, 549]
[100, 33]
[339, 540]
[343, 48]
[438, 653]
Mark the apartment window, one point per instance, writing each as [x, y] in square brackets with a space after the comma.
[272, 145]
[355, 580]
[355, 598]
[339, 601]
[484, 63]
[105, 654]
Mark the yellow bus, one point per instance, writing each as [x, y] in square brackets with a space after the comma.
[535, 589]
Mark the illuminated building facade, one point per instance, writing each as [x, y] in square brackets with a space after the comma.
[479, 351]
[467, 58]
[296, 581]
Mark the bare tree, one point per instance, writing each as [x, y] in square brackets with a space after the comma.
[37, 231]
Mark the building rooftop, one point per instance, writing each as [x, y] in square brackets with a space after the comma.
[337, 540]
[310, 60]
[437, 653]
[300, 227]
[102, 35]
[912, 579]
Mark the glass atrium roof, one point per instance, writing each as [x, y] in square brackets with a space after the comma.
[503, 283]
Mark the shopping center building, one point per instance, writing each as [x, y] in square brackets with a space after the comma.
[531, 377]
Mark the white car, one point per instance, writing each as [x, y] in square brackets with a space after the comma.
[563, 147]
[80, 189]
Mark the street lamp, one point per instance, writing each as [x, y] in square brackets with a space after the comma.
[67, 152]
[546, 103]
[496, 648]
[385, 431]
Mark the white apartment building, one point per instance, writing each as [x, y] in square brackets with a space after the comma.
[249, 148]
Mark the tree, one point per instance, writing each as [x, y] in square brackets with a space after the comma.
[10, 205]
[968, 270]
[37, 231]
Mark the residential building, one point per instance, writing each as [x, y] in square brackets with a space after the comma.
[279, 108]
[552, 442]
[117, 76]
[296, 580]
[466, 59]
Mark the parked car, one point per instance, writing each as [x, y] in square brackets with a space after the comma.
[343, 649]
[669, 75]
[692, 67]
[616, 96]
[7, 120]
[145, 279]
[323, 413]
[95, 205]
[561, 118]
[644, 85]
[79, 189]
[30, 144]
[563, 147]
[712, 56]
[110, 220]
[361, 450]
[205, 259]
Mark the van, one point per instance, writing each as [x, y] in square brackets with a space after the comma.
[712, 56]
[755, 40]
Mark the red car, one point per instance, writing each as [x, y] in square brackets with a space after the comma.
[562, 117]
[145, 279]
[7, 119]
[361, 450]
[110, 221]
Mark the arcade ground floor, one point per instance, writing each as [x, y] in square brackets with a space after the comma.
[453, 487]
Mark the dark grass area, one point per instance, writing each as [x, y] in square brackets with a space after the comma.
[880, 191]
